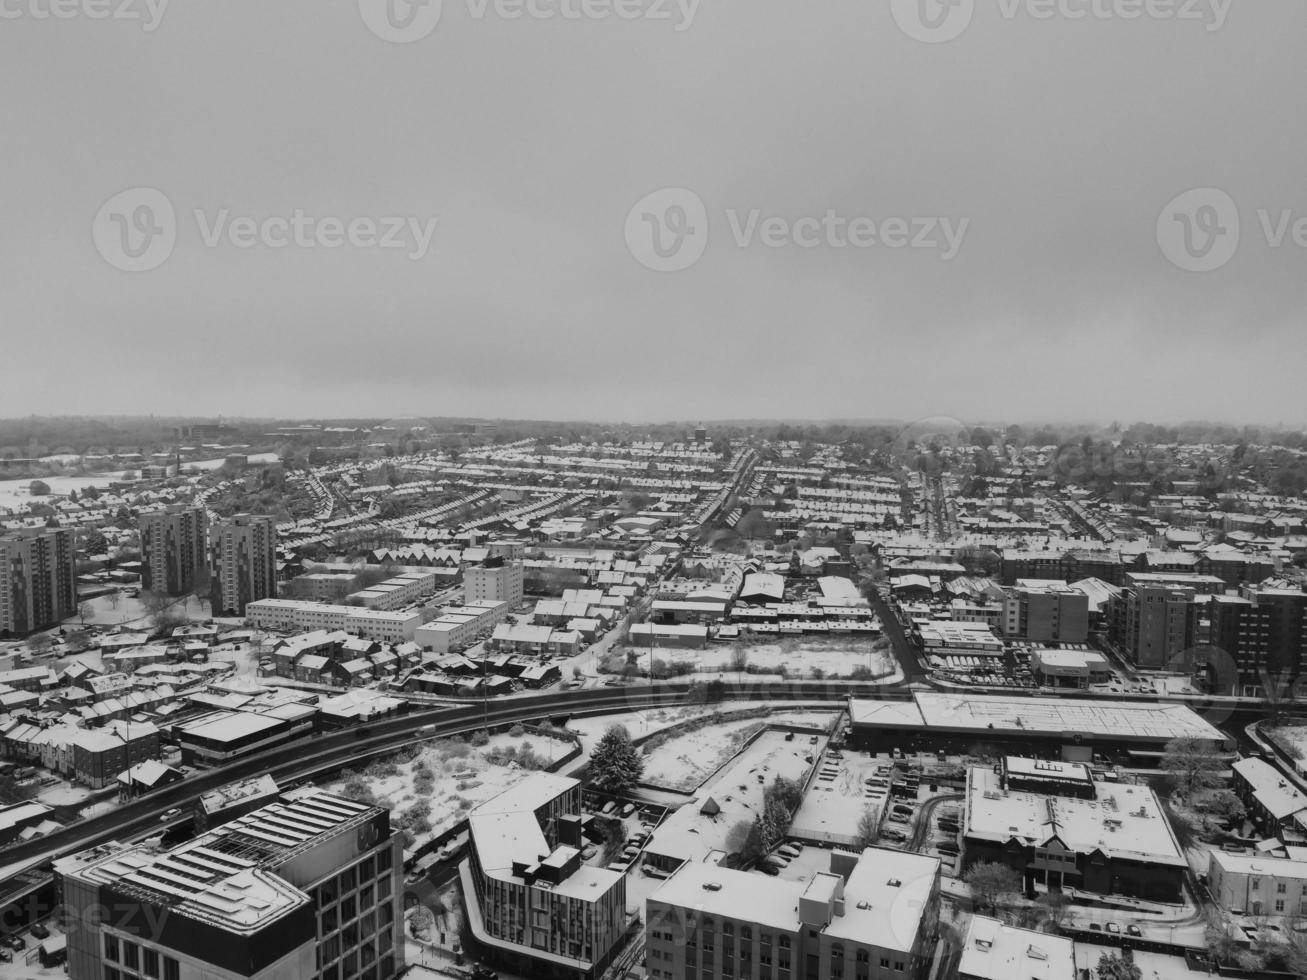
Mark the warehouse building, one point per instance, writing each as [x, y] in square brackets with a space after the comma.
[1054, 728]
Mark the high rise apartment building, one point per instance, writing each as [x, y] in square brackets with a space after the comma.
[242, 563]
[38, 579]
[173, 554]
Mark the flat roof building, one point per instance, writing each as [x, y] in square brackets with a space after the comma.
[307, 886]
[872, 915]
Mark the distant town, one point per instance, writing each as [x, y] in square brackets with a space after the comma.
[370, 698]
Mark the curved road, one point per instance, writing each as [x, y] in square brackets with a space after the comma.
[308, 757]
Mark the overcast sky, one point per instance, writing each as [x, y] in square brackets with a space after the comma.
[1050, 147]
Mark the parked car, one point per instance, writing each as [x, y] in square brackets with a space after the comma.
[1113, 928]
[6, 956]
[16, 943]
[40, 931]
[628, 810]
[768, 869]
[894, 834]
[170, 814]
[948, 847]
[1133, 930]
[1095, 927]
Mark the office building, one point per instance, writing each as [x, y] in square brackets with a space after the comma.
[1155, 621]
[1259, 639]
[872, 916]
[243, 563]
[173, 554]
[1046, 612]
[38, 579]
[371, 624]
[533, 905]
[307, 886]
[1056, 826]
[496, 581]
[1258, 884]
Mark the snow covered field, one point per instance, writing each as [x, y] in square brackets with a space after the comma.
[13, 493]
[463, 777]
[799, 657]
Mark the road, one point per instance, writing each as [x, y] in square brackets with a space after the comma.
[903, 653]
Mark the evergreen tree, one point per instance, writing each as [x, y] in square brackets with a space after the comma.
[615, 764]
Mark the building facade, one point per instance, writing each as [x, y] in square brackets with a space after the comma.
[873, 916]
[497, 580]
[243, 563]
[533, 905]
[308, 886]
[38, 580]
[173, 556]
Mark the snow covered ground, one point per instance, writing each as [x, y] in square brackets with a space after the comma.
[685, 760]
[464, 777]
[833, 807]
[799, 657]
[14, 495]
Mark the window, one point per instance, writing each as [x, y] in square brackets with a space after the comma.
[898, 966]
[111, 974]
[1279, 905]
[171, 970]
[110, 947]
[1281, 888]
[150, 962]
[131, 956]
[1257, 884]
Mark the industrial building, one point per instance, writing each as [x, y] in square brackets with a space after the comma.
[1051, 727]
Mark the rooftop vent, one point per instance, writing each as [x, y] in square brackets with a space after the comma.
[1035, 953]
[894, 883]
[712, 886]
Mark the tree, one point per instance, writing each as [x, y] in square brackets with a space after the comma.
[39, 644]
[1193, 764]
[78, 640]
[38, 488]
[1112, 966]
[1054, 905]
[868, 827]
[615, 764]
[84, 609]
[990, 882]
[1224, 805]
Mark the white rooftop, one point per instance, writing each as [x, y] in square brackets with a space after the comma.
[996, 951]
